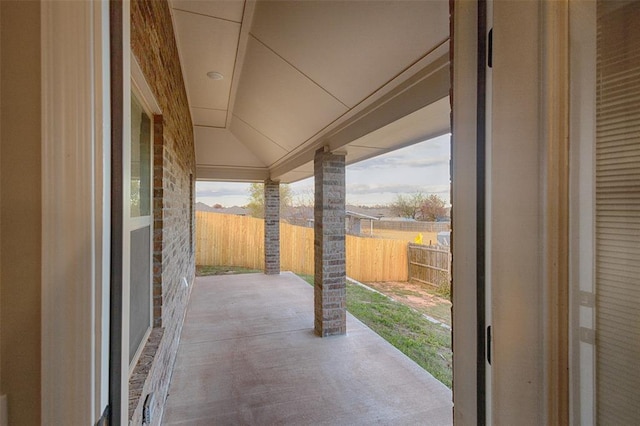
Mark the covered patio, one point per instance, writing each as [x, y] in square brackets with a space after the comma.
[248, 355]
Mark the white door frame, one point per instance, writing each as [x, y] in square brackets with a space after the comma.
[526, 213]
[464, 214]
[75, 210]
[582, 349]
[124, 279]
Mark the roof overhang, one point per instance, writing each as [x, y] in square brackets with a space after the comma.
[363, 77]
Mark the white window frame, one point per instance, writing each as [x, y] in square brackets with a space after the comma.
[142, 91]
[582, 15]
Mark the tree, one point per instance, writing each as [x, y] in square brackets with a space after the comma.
[256, 199]
[432, 208]
[305, 198]
[408, 206]
[303, 206]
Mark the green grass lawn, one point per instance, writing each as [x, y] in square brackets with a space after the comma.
[428, 344]
[204, 270]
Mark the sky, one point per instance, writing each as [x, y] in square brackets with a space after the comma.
[423, 167]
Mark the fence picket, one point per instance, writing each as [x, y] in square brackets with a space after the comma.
[239, 241]
[429, 265]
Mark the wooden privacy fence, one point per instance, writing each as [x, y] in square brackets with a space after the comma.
[430, 265]
[408, 225]
[374, 259]
[239, 241]
[228, 240]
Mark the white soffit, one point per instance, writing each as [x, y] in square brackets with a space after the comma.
[218, 147]
[296, 174]
[231, 174]
[303, 74]
[208, 117]
[267, 150]
[359, 153]
[230, 10]
[206, 44]
[426, 123]
[279, 101]
[351, 48]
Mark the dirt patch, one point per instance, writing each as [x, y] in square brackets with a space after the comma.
[420, 297]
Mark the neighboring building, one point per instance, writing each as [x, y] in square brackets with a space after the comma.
[375, 211]
[353, 223]
[202, 207]
[299, 216]
[408, 225]
[238, 211]
[111, 110]
[444, 238]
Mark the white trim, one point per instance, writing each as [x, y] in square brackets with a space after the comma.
[517, 382]
[143, 90]
[74, 263]
[139, 222]
[136, 356]
[463, 238]
[245, 31]
[102, 130]
[239, 174]
[126, 144]
[488, 222]
[582, 16]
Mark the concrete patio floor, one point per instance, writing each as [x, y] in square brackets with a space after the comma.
[248, 356]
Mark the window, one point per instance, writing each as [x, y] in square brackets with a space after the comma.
[605, 215]
[140, 229]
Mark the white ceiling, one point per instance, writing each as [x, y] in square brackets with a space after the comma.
[299, 75]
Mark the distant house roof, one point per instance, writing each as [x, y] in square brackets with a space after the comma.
[360, 215]
[371, 211]
[202, 207]
[240, 211]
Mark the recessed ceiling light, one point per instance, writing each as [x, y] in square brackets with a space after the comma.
[215, 75]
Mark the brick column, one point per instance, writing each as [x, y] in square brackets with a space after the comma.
[329, 243]
[271, 227]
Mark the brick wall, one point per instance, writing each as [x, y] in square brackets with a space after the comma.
[153, 44]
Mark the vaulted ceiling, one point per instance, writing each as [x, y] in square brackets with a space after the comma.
[363, 77]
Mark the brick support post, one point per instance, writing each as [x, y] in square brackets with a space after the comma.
[329, 243]
[271, 227]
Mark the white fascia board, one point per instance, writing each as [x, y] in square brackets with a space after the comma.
[231, 174]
